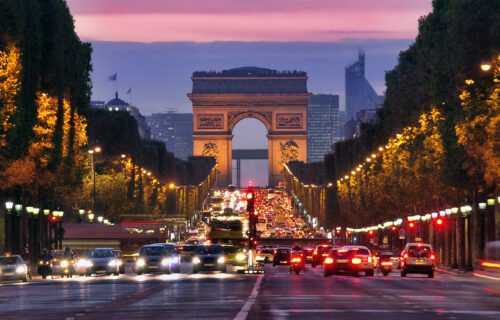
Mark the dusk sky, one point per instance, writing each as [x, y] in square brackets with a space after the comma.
[155, 45]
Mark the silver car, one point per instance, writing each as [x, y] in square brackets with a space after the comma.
[417, 258]
[12, 267]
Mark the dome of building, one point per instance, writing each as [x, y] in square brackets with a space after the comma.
[116, 102]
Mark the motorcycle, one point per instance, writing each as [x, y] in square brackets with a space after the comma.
[296, 264]
[66, 268]
[44, 268]
[385, 263]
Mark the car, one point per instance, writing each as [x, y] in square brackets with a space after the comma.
[12, 267]
[417, 258]
[83, 263]
[265, 254]
[175, 258]
[152, 258]
[186, 251]
[308, 254]
[235, 255]
[61, 264]
[102, 260]
[319, 254]
[349, 260]
[209, 258]
[281, 256]
[119, 258]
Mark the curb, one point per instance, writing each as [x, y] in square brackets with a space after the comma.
[455, 271]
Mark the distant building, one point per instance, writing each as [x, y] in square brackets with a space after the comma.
[175, 129]
[117, 104]
[322, 120]
[351, 129]
[367, 116]
[358, 91]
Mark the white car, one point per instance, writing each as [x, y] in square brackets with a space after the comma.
[417, 258]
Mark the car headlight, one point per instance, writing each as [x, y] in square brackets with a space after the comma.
[240, 257]
[196, 260]
[221, 260]
[112, 263]
[64, 264]
[21, 269]
[165, 262]
[140, 263]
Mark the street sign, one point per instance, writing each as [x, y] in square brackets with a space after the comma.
[418, 236]
[402, 233]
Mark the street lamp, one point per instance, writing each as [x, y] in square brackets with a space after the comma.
[100, 218]
[91, 152]
[9, 205]
[486, 66]
[91, 216]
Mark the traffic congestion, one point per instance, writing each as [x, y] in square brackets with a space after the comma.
[220, 243]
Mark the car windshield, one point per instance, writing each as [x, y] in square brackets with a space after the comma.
[323, 249]
[283, 251]
[208, 250]
[267, 251]
[8, 260]
[419, 252]
[152, 251]
[231, 249]
[342, 253]
[170, 248]
[102, 254]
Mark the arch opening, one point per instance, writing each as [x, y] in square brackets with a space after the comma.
[250, 135]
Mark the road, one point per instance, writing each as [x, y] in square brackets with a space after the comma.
[275, 295]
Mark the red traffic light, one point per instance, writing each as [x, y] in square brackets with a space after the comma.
[439, 222]
[411, 225]
[249, 196]
[393, 228]
[370, 232]
[53, 219]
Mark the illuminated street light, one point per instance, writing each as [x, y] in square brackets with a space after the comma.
[46, 212]
[485, 66]
[9, 205]
[100, 218]
[171, 185]
[91, 216]
[81, 211]
[36, 211]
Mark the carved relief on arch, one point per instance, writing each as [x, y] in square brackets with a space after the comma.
[265, 116]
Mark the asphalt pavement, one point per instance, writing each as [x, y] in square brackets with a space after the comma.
[275, 295]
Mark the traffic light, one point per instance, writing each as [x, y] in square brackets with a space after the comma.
[53, 219]
[250, 201]
[370, 232]
[393, 228]
[411, 225]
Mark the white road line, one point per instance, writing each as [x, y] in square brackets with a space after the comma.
[285, 312]
[243, 314]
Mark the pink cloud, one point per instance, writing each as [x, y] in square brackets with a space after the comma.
[224, 20]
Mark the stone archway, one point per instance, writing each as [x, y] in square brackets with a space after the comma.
[278, 99]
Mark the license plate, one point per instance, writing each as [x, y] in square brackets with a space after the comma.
[284, 261]
[153, 267]
[342, 261]
[208, 264]
[419, 261]
[9, 274]
[324, 254]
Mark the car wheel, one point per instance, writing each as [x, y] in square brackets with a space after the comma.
[224, 269]
[139, 272]
[403, 273]
[117, 273]
[195, 270]
[385, 273]
[369, 273]
[326, 273]
[431, 274]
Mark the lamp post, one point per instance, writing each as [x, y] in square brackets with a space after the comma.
[8, 225]
[93, 151]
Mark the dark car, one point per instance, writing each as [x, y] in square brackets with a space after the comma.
[102, 260]
[209, 258]
[308, 254]
[152, 258]
[174, 257]
[281, 256]
[186, 252]
[319, 254]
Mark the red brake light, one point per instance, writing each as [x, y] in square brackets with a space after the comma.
[370, 259]
[274, 251]
[328, 260]
[490, 264]
[325, 245]
[386, 263]
[355, 260]
[315, 252]
[343, 250]
[433, 257]
[419, 245]
[405, 256]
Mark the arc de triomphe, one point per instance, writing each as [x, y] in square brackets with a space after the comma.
[278, 99]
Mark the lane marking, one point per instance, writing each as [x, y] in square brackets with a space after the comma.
[485, 276]
[243, 314]
[476, 312]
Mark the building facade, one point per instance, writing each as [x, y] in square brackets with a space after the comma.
[322, 121]
[175, 129]
[276, 98]
[359, 94]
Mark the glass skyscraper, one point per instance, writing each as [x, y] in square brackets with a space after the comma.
[322, 120]
[175, 129]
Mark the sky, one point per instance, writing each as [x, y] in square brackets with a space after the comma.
[155, 45]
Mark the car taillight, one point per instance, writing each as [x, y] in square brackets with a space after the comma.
[405, 256]
[386, 263]
[315, 252]
[274, 251]
[433, 257]
[328, 260]
[296, 259]
[355, 260]
[369, 259]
